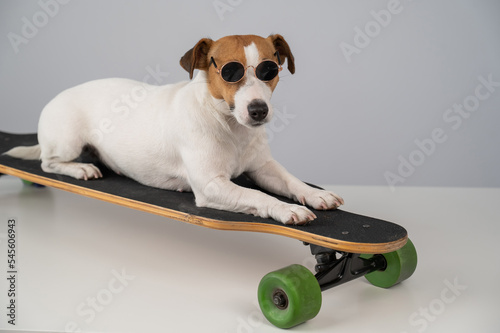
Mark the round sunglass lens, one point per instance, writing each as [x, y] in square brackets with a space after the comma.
[232, 72]
[267, 70]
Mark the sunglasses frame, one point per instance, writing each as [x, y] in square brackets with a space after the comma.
[219, 71]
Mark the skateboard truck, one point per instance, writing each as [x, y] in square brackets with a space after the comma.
[293, 294]
[335, 267]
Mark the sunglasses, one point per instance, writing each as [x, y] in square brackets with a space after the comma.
[234, 71]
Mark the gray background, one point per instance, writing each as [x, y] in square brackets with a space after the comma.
[342, 122]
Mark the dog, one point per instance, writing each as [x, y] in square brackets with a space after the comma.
[190, 136]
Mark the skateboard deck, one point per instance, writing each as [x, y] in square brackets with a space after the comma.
[338, 229]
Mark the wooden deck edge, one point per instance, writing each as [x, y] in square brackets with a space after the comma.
[368, 248]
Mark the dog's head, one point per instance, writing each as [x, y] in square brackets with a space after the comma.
[242, 71]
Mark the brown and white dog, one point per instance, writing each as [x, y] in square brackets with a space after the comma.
[190, 136]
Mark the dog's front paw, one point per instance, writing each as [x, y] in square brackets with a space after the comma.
[322, 200]
[292, 214]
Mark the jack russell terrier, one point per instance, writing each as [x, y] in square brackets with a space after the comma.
[191, 136]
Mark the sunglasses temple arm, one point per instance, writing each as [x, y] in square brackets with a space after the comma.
[212, 61]
[277, 54]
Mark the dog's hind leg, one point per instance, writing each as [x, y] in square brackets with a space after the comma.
[76, 170]
[59, 158]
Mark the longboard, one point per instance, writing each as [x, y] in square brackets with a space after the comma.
[339, 230]
[333, 232]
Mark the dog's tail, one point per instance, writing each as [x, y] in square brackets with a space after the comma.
[25, 152]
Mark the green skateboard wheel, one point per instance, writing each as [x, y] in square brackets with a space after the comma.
[400, 266]
[28, 183]
[289, 296]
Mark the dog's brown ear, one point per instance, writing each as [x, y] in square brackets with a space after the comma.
[197, 57]
[282, 47]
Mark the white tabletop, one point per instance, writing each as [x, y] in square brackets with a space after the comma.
[90, 266]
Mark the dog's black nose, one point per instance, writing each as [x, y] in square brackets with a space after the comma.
[257, 110]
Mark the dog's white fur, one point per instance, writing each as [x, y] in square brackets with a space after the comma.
[175, 137]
